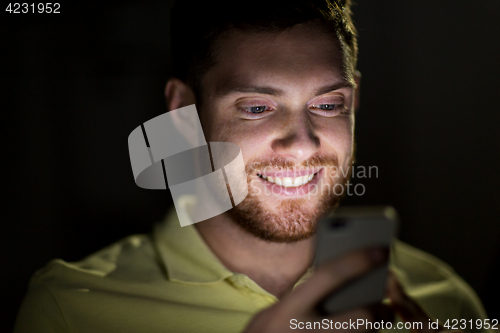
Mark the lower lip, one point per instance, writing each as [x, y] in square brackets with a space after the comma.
[292, 191]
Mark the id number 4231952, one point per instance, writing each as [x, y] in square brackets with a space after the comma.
[33, 8]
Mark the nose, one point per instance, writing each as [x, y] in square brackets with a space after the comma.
[296, 137]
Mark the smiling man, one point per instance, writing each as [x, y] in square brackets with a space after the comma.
[265, 115]
[290, 108]
[278, 79]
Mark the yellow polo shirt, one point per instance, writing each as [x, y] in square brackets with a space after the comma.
[170, 281]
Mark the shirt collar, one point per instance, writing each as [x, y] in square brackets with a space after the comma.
[184, 253]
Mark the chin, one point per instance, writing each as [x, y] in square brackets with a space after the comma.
[290, 220]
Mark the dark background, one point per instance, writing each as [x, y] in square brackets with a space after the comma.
[75, 84]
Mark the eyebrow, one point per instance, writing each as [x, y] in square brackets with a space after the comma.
[333, 87]
[278, 92]
[251, 89]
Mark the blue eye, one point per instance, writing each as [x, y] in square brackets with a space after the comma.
[330, 110]
[256, 109]
[328, 107]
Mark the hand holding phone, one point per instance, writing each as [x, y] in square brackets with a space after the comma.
[348, 229]
[346, 261]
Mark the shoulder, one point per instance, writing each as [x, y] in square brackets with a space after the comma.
[434, 284]
[132, 254]
[57, 291]
[420, 267]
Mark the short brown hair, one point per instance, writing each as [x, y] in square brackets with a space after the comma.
[196, 25]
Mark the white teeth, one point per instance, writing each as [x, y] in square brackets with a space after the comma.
[289, 181]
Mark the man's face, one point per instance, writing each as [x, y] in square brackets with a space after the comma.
[284, 100]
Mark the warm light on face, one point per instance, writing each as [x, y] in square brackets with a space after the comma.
[283, 99]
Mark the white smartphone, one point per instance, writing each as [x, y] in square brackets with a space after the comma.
[348, 229]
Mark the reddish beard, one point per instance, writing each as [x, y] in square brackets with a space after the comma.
[292, 221]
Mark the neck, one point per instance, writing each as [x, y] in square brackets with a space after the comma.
[276, 267]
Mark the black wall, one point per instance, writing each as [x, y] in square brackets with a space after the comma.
[75, 84]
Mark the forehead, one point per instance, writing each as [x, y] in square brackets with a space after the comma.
[297, 57]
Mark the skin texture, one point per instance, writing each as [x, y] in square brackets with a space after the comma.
[291, 75]
[265, 94]
[288, 82]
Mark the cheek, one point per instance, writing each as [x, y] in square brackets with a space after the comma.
[250, 140]
[215, 128]
[218, 127]
[339, 134]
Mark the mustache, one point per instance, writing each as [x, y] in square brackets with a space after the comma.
[280, 163]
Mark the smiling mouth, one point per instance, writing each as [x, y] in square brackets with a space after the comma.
[289, 181]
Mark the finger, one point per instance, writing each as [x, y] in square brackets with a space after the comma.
[401, 302]
[334, 274]
[407, 308]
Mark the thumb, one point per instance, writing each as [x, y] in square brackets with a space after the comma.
[407, 308]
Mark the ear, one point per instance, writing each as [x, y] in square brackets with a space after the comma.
[357, 79]
[178, 94]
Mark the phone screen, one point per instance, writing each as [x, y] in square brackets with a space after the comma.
[348, 229]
